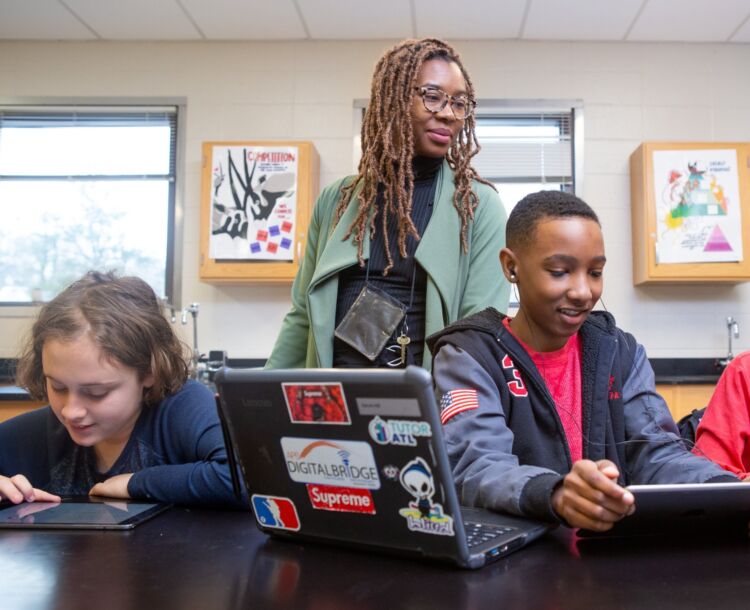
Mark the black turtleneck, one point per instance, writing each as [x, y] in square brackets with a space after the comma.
[399, 279]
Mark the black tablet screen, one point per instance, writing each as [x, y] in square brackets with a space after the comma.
[98, 514]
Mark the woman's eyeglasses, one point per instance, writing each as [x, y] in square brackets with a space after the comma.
[435, 100]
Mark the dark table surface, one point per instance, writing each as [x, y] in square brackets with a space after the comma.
[212, 559]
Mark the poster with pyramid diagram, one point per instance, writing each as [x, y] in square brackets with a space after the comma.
[698, 215]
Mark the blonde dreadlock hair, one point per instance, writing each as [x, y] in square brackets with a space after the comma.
[388, 149]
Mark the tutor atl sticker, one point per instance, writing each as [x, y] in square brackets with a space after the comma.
[397, 431]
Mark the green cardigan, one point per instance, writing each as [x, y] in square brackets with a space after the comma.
[458, 284]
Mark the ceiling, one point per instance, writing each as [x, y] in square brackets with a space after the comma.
[722, 21]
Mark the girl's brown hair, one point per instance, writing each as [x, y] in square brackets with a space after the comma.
[388, 148]
[123, 316]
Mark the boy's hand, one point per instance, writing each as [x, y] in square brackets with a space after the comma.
[590, 498]
[114, 487]
[17, 489]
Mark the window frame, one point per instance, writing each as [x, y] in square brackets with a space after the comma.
[175, 214]
[489, 108]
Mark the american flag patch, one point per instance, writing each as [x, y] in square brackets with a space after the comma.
[456, 401]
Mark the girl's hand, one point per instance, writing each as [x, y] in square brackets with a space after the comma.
[114, 487]
[17, 489]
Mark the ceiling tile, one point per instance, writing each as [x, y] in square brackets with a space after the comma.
[135, 19]
[469, 19]
[743, 34]
[39, 19]
[357, 19]
[246, 19]
[580, 19]
[689, 20]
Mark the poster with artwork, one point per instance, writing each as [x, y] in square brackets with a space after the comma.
[698, 215]
[253, 202]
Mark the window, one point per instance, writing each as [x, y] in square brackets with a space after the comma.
[527, 148]
[86, 188]
[527, 145]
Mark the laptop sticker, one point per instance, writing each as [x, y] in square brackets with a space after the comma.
[277, 512]
[341, 499]
[423, 515]
[319, 403]
[393, 407]
[330, 462]
[390, 472]
[397, 431]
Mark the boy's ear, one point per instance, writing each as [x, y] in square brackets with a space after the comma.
[508, 262]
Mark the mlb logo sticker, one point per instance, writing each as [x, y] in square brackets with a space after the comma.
[274, 511]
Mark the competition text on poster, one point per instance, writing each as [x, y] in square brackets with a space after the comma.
[698, 216]
[253, 202]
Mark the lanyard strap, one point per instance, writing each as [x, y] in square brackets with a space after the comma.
[405, 326]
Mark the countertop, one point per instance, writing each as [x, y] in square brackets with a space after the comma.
[668, 371]
[686, 370]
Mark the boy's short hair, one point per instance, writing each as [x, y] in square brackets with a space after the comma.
[124, 318]
[526, 215]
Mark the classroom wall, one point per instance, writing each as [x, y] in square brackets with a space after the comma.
[304, 90]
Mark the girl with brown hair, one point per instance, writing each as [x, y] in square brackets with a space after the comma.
[124, 421]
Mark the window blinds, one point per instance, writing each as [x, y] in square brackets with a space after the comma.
[533, 147]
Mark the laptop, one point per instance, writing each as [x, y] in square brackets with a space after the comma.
[697, 509]
[356, 457]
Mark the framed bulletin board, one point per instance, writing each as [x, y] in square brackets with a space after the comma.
[256, 201]
[690, 204]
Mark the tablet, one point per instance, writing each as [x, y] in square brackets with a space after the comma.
[79, 513]
[689, 508]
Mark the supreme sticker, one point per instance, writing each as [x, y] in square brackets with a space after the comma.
[341, 499]
[276, 512]
[319, 403]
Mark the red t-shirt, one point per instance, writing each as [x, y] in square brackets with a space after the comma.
[723, 435]
[561, 371]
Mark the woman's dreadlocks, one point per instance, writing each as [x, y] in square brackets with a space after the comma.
[388, 148]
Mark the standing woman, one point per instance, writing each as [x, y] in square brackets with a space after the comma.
[411, 242]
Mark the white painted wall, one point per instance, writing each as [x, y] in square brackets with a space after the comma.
[304, 90]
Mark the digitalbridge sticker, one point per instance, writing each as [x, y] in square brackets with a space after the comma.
[330, 462]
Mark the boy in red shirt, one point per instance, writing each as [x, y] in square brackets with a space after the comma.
[552, 413]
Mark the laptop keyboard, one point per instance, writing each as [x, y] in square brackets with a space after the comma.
[479, 533]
